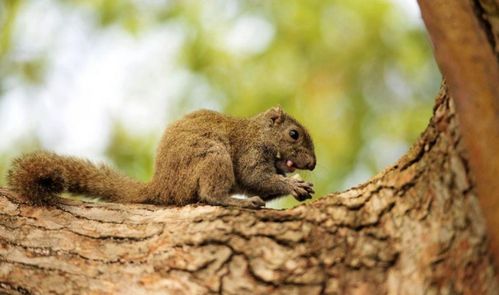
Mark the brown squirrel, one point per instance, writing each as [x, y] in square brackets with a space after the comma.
[204, 157]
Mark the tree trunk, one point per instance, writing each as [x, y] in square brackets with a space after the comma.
[416, 228]
[466, 36]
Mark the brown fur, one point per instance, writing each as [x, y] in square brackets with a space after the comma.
[204, 157]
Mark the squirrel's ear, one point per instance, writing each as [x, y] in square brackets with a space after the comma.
[276, 114]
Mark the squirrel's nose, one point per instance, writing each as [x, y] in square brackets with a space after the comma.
[311, 164]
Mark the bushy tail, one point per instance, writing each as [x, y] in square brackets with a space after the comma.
[41, 176]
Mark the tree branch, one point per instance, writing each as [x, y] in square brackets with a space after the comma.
[416, 226]
[464, 35]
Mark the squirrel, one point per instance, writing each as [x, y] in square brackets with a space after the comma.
[204, 157]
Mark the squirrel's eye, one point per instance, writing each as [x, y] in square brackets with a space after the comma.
[294, 134]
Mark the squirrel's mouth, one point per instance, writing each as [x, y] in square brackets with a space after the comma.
[285, 166]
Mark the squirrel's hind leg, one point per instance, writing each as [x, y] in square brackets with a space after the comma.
[216, 180]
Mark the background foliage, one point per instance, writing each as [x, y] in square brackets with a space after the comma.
[101, 78]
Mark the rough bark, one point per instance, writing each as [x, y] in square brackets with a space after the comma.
[416, 228]
[465, 35]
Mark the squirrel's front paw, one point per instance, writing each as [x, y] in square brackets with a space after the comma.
[301, 189]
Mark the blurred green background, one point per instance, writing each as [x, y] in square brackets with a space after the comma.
[102, 78]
